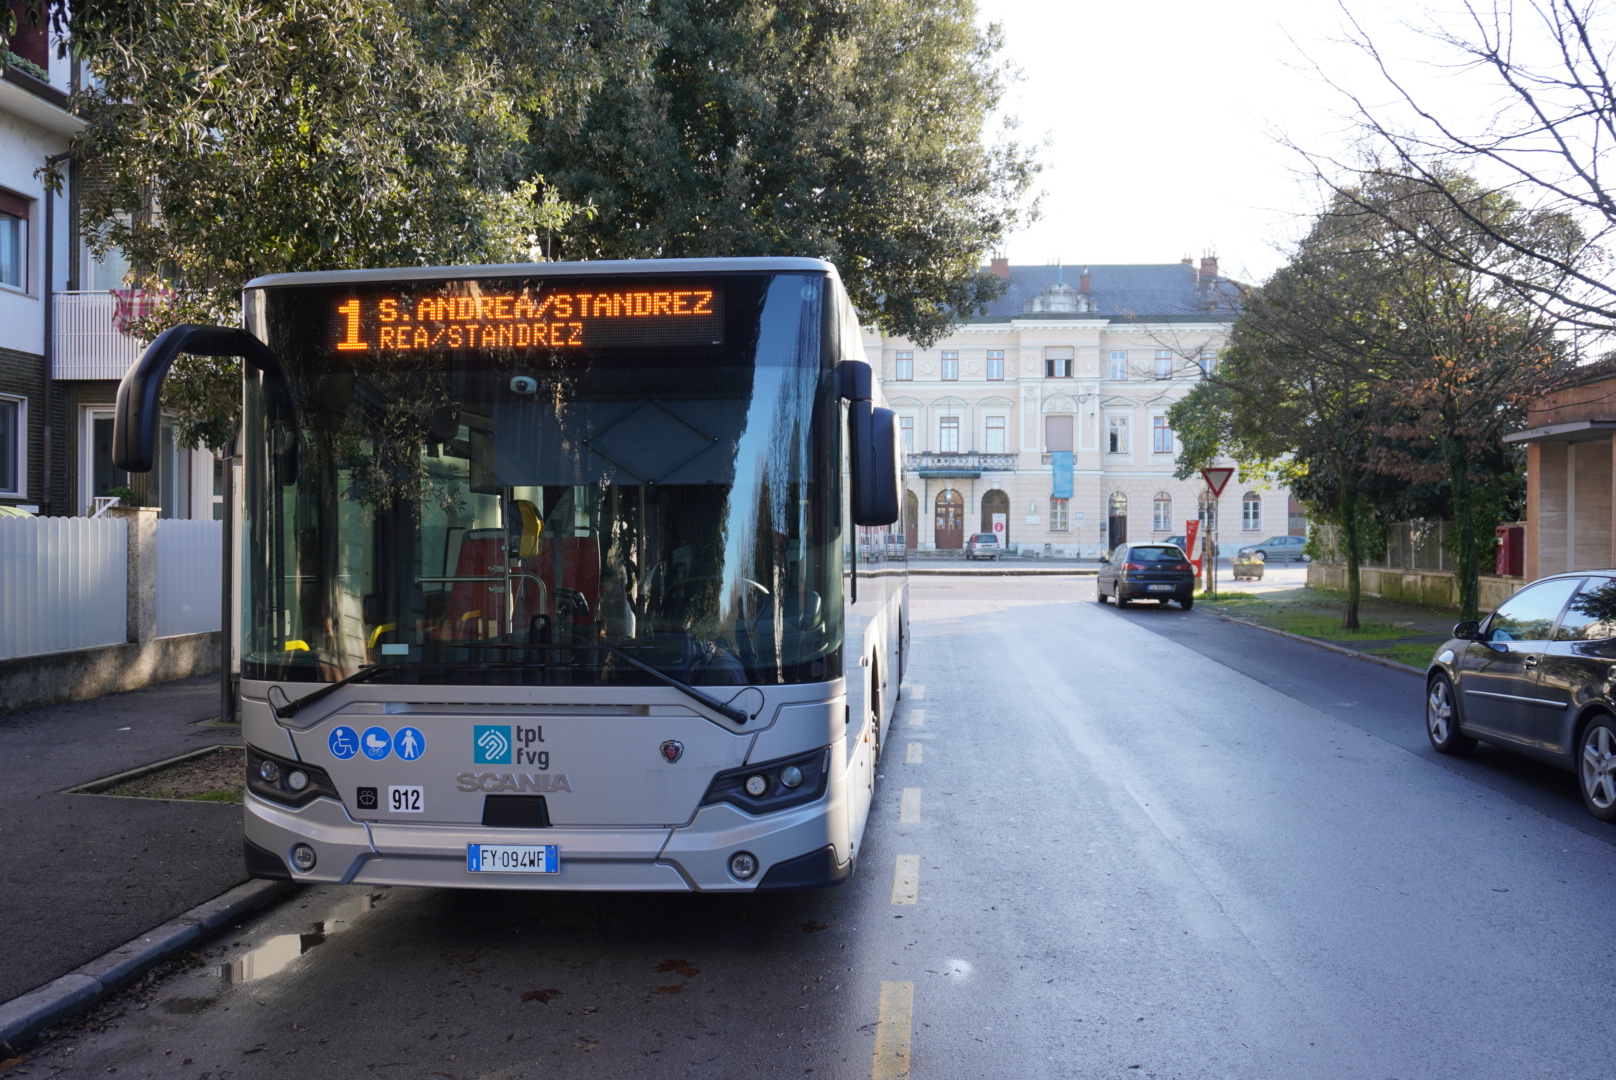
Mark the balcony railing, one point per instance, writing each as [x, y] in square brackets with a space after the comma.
[931, 464]
[87, 345]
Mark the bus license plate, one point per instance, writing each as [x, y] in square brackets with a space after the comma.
[513, 858]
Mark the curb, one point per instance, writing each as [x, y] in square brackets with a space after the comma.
[1342, 649]
[22, 1017]
[1020, 572]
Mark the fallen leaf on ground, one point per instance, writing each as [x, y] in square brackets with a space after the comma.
[670, 989]
[679, 966]
[810, 927]
[541, 996]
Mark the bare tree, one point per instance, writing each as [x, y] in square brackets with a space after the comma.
[1549, 146]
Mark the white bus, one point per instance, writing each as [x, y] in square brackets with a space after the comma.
[551, 575]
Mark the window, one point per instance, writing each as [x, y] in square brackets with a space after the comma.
[1058, 517]
[1164, 364]
[996, 365]
[1251, 512]
[995, 435]
[1058, 433]
[1161, 512]
[1116, 434]
[905, 366]
[948, 428]
[1209, 360]
[906, 425]
[1161, 436]
[13, 444]
[1592, 615]
[1058, 363]
[951, 366]
[1529, 615]
[1119, 363]
[13, 240]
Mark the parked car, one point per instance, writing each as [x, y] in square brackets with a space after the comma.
[1181, 542]
[1146, 572]
[983, 546]
[1277, 547]
[1534, 678]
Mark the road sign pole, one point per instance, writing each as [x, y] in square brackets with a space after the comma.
[1217, 479]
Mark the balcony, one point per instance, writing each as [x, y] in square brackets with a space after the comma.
[86, 344]
[959, 466]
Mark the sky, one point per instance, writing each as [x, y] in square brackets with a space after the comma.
[1159, 122]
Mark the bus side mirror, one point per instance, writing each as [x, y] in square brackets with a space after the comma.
[873, 462]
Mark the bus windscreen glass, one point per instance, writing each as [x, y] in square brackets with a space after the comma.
[485, 481]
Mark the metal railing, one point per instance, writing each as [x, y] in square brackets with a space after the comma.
[85, 343]
[962, 464]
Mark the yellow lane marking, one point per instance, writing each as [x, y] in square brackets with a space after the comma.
[917, 717]
[912, 755]
[906, 880]
[892, 1028]
[909, 811]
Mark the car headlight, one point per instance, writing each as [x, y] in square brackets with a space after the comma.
[290, 782]
[772, 785]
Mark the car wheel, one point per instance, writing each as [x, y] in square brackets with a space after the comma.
[1121, 601]
[1187, 603]
[1442, 720]
[1596, 768]
[1260, 556]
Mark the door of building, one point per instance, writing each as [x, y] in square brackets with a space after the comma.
[996, 503]
[911, 520]
[1116, 531]
[950, 521]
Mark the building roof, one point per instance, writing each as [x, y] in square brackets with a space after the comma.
[1137, 290]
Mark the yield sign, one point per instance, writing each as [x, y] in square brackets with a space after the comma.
[1217, 479]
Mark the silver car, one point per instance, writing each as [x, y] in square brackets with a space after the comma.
[1277, 547]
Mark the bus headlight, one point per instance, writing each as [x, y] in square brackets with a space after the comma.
[288, 782]
[303, 857]
[743, 865]
[773, 785]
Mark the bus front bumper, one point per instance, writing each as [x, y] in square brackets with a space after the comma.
[803, 848]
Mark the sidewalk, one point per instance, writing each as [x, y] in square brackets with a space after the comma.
[1404, 633]
[83, 874]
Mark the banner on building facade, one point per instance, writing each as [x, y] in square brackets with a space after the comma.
[1062, 461]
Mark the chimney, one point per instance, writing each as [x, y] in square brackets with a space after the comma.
[1187, 261]
[1209, 269]
[1001, 268]
[1083, 282]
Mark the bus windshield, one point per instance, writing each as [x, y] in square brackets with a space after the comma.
[486, 481]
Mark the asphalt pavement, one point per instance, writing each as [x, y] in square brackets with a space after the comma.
[83, 874]
[1144, 843]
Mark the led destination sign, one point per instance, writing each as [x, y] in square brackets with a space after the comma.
[527, 319]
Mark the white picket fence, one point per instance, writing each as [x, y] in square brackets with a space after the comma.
[188, 554]
[62, 584]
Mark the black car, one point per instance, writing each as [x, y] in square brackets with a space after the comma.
[1146, 572]
[1536, 677]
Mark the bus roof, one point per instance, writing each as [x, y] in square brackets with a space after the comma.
[614, 267]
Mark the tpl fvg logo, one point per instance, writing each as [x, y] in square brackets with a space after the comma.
[506, 744]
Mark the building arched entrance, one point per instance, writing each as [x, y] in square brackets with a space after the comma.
[911, 520]
[949, 522]
[996, 502]
[1116, 526]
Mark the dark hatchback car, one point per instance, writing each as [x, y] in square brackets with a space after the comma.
[1536, 677]
[1146, 572]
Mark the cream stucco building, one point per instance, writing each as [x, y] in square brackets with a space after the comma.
[1051, 409]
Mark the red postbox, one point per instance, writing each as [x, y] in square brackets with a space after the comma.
[1511, 550]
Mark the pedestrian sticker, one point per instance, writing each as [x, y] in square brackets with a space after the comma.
[343, 742]
[377, 743]
[409, 743]
[491, 744]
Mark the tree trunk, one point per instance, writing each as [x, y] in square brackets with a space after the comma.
[1464, 518]
[1349, 528]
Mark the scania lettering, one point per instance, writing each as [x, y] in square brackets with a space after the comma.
[557, 576]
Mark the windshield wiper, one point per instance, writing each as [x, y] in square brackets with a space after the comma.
[291, 708]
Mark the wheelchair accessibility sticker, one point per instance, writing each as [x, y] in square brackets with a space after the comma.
[343, 742]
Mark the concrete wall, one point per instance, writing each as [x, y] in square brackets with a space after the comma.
[1433, 588]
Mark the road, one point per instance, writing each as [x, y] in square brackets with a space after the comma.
[1128, 856]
